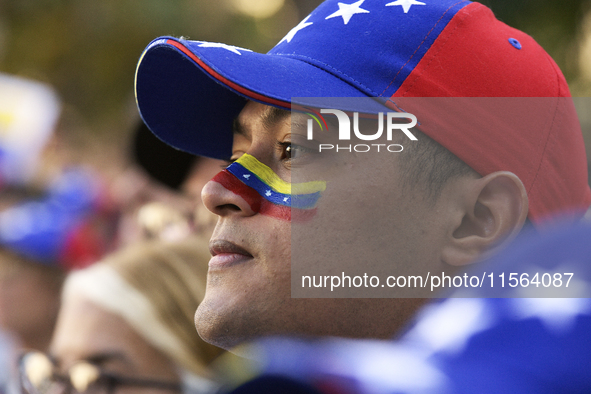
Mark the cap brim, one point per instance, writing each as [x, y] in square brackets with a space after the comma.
[189, 92]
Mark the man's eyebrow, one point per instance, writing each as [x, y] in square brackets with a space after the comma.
[237, 127]
[273, 115]
[270, 117]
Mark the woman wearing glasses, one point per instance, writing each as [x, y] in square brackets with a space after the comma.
[126, 325]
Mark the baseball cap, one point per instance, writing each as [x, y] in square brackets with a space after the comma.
[189, 92]
[59, 228]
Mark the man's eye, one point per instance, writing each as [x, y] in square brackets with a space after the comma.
[231, 160]
[227, 163]
[292, 151]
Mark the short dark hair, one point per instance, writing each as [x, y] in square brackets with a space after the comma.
[428, 165]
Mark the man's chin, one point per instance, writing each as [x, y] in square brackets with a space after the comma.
[209, 327]
[224, 324]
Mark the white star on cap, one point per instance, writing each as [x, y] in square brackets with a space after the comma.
[348, 10]
[406, 4]
[288, 37]
[230, 48]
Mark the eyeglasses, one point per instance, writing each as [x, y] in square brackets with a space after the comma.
[38, 376]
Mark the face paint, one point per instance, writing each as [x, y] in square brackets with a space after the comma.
[268, 194]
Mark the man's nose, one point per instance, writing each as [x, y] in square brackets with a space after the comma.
[224, 202]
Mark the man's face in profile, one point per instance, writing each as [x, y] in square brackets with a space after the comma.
[364, 214]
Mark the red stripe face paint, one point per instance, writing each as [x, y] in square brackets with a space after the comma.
[260, 205]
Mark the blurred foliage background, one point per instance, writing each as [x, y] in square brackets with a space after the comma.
[88, 49]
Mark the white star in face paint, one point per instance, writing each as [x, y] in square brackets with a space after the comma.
[348, 10]
[406, 4]
[268, 193]
[230, 48]
[289, 36]
[285, 199]
[246, 176]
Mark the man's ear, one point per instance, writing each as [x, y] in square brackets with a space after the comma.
[492, 210]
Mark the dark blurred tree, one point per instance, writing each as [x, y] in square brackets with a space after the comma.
[554, 24]
[88, 49]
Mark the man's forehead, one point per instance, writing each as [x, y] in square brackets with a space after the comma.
[254, 115]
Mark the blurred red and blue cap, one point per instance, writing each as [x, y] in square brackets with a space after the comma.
[58, 229]
[189, 92]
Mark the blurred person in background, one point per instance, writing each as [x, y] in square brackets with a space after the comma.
[42, 238]
[159, 193]
[47, 226]
[126, 323]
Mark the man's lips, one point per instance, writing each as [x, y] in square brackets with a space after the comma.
[226, 253]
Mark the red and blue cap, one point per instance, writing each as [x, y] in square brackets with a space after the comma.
[189, 92]
[58, 229]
